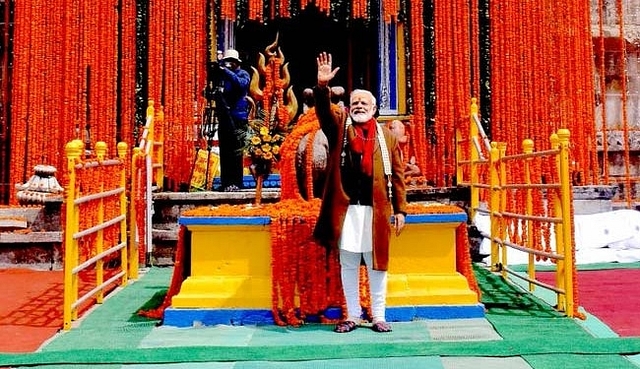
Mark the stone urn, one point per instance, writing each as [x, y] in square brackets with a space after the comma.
[41, 187]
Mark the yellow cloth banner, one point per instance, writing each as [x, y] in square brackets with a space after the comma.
[206, 167]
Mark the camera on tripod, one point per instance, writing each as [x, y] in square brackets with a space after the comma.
[216, 72]
[213, 93]
[215, 80]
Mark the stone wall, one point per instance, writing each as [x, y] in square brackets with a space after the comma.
[616, 158]
[37, 241]
[593, 199]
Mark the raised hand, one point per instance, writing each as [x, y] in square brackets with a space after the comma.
[325, 73]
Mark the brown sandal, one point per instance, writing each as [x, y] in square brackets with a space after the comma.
[381, 327]
[345, 327]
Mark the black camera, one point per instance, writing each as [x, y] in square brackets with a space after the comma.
[215, 71]
[215, 80]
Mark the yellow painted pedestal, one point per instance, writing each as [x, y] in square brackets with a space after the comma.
[230, 266]
[422, 265]
[230, 272]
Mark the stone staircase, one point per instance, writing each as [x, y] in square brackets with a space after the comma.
[167, 207]
[31, 235]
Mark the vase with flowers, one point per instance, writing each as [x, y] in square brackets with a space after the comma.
[263, 148]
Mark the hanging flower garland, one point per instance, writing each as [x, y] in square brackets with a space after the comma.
[390, 9]
[176, 278]
[537, 88]
[256, 8]
[464, 265]
[308, 163]
[359, 9]
[419, 118]
[227, 9]
[307, 124]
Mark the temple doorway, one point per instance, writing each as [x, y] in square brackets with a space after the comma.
[354, 48]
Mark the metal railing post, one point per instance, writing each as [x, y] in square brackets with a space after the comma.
[73, 151]
[567, 219]
[527, 148]
[474, 155]
[494, 202]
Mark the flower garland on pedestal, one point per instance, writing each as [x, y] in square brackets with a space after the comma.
[307, 125]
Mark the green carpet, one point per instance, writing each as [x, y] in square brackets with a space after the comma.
[115, 324]
[560, 344]
[538, 321]
[114, 334]
[377, 363]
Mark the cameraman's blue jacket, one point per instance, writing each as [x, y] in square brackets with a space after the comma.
[236, 87]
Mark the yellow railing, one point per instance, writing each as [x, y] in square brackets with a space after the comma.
[153, 143]
[95, 232]
[527, 198]
[146, 168]
[469, 169]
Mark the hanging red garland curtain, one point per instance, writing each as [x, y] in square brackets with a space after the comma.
[65, 79]
[360, 9]
[534, 54]
[454, 42]
[177, 75]
[533, 93]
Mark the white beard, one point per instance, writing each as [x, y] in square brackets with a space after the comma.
[361, 117]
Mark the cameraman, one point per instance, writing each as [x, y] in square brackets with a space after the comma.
[215, 77]
[230, 87]
[209, 127]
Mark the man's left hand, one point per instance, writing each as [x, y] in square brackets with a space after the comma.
[398, 222]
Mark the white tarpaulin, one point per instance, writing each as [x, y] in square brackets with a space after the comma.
[600, 238]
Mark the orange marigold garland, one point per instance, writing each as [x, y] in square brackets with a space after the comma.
[227, 10]
[276, 270]
[365, 291]
[308, 163]
[463, 258]
[307, 123]
[576, 300]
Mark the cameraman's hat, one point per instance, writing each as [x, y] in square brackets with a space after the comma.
[231, 54]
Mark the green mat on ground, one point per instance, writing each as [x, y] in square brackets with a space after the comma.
[554, 345]
[113, 333]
